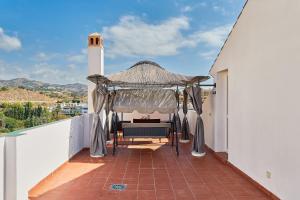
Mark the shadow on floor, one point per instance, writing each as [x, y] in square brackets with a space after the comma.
[148, 174]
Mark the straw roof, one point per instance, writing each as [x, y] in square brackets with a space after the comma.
[146, 73]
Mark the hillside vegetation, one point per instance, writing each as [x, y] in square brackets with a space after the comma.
[24, 95]
[14, 116]
[76, 89]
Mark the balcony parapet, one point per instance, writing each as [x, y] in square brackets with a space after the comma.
[30, 155]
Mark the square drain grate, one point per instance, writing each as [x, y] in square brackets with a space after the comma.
[119, 187]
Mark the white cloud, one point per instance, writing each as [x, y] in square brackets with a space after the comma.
[220, 9]
[55, 74]
[9, 43]
[84, 51]
[78, 58]
[2, 71]
[217, 8]
[134, 37]
[214, 37]
[208, 55]
[42, 56]
[189, 8]
[72, 66]
[11, 70]
[186, 9]
[203, 4]
[42, 71]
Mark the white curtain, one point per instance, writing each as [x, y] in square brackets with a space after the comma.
[145, 101]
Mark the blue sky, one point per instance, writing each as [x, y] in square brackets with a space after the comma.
[47, 40]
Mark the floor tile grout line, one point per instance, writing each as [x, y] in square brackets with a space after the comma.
[117, 167]
[115, 162]
[195, 171]
[126, 167]
[171, 185]
[185, 178]
[231, 195]
[140, 155]
[153, 176]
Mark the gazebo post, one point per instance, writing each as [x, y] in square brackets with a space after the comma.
[114, 138]
[177, 148]
[185, 130]
[115, 133]
[117, 123]
[177, 121]
[173, 129]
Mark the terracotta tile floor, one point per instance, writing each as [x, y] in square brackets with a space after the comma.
[151, 171]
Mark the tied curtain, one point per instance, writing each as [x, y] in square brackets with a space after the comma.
[176, 118]
[198, 142]
[98, 137]
[185, 136]
[114, 117]
[107, 109]
[114, 122]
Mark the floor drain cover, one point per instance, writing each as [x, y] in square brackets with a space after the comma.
[119, 187]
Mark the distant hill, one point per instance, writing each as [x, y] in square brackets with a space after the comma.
[75, 88]
[24, 95]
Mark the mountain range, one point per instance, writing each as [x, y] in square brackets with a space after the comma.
[75, 88]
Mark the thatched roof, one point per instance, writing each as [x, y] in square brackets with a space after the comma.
[147, 73]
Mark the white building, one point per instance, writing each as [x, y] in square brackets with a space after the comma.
[254, 115]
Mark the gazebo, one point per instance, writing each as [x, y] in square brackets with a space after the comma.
[145, 87]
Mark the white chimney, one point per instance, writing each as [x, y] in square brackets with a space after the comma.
[95, 63]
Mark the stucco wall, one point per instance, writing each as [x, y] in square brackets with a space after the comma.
[209, 120]
[35, 153]
[262, 56]
[220, 126]
[88, 121]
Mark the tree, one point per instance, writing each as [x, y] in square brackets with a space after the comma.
[39, 111]
[12, 124]
[28, 110]
[56, 111]
[3, 88]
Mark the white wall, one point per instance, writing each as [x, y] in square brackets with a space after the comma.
[36, 152]
[91, 87]
[2, 157]
[262, 56]
[209, 120]
[88, 121]
[220, 134]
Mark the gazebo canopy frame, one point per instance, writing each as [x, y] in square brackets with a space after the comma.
[142, 76]
[146, 74]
